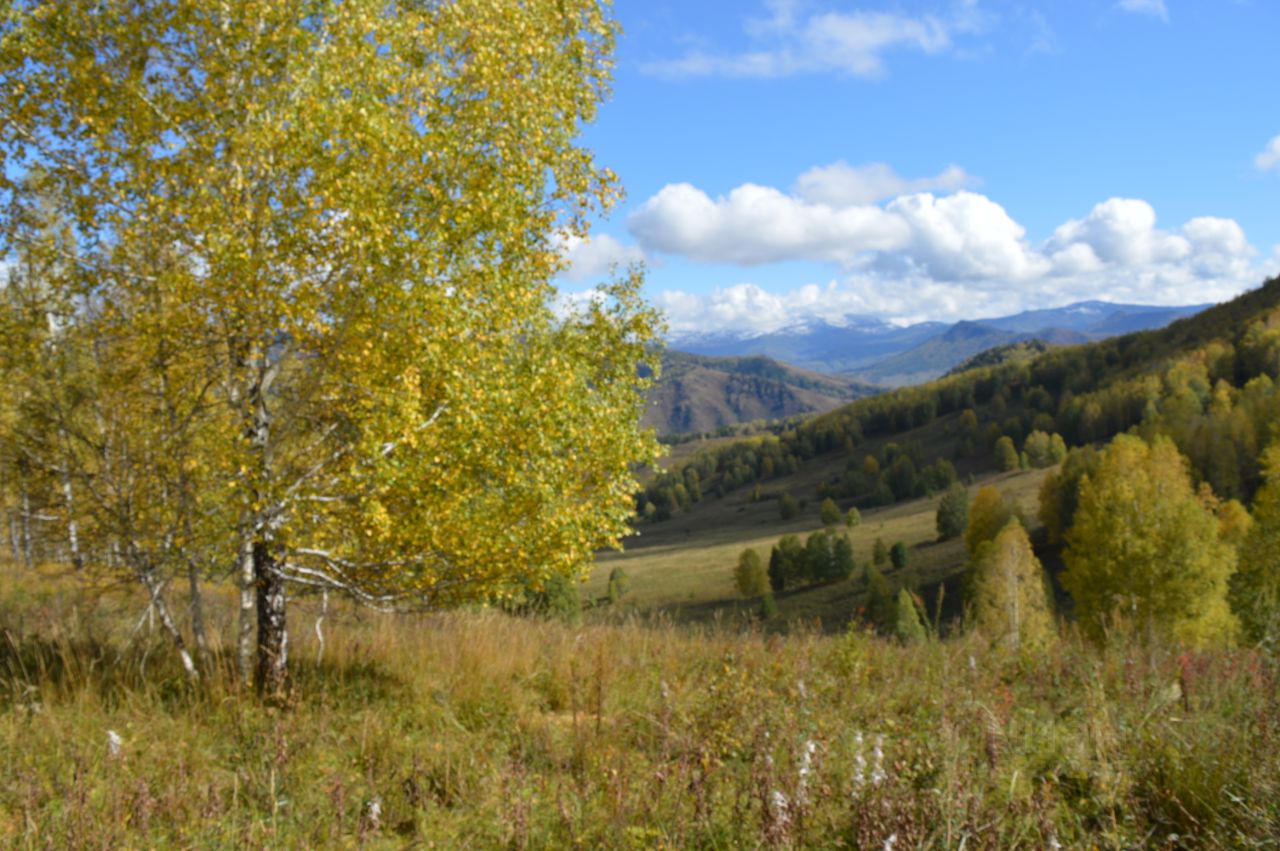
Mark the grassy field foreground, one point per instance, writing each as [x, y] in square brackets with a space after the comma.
[478, 730]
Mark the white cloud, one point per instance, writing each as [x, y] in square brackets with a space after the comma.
[841, 184]
[1269, 158]
[920, 255]
[1122, 231]
[965, 236]
[758, 224]
[1155, 8]
[850, 43]
[596, 256]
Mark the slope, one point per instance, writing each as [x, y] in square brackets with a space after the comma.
[704, 394]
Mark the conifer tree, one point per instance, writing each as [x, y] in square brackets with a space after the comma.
[907, 624]
[1006, 454]
[844, 564]
[1145, 549]
[1255, 588]
[1010, 602]
[953, 512]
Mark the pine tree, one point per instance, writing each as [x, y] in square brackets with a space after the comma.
[1006, 454]
[843, 556]
[880, 600]
[953, 512]
[1146, 549]
[1010, 603]
[907, 625]
[899, 555]
[829, 512]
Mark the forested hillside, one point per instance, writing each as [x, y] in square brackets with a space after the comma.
[696, 393]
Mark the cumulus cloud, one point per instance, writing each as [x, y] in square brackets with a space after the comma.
[1269, 158]
[921, 255]
[1155, 8]
[758, 224]
[596, 256]
[841, 184]
[850, 43]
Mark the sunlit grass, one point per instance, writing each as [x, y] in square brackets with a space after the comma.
[479, 730]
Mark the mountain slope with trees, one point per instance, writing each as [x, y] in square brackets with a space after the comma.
[696, 393]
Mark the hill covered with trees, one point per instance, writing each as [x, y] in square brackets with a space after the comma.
[697, 393]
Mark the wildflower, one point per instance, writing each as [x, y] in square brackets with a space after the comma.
[114, 743]
[806, 765]
[890, 841]
[859, 763]
[781, 810]
[877, 757]
[373, 813]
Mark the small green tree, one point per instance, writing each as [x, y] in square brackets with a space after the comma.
[1006, 454]
[899, 555]
[768, 607]
[558, 598]
[619, 585]
[787, 507]
[880, 601]
[844, 564]
[880, 553]
[907, 624]
[750, 577]
[1010, 603]
[787, 563]
[852, 519]
[829, 512]
[953, 512]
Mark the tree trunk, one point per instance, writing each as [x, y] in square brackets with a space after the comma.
[248, 581]
[270, 677]
[197, 615]
[15, 548]
[27, 554]
[73, 529]
[155, 589]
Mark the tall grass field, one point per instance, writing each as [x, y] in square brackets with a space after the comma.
[482, 730]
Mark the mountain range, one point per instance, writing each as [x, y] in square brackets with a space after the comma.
[874, 351]
[711, 381]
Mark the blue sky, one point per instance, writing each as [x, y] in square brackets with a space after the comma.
[953, 159]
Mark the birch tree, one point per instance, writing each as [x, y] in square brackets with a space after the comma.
[356, 208]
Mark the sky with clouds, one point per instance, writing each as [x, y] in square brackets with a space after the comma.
[792, 159]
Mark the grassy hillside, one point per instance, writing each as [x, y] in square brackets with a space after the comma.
[478, 730]
[703, 394]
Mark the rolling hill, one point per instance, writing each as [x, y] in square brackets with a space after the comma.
[703, 394]
[1207, 382]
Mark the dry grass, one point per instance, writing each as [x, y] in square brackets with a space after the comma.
[478, 730]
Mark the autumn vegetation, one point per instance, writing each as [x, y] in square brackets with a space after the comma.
[302, 468]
